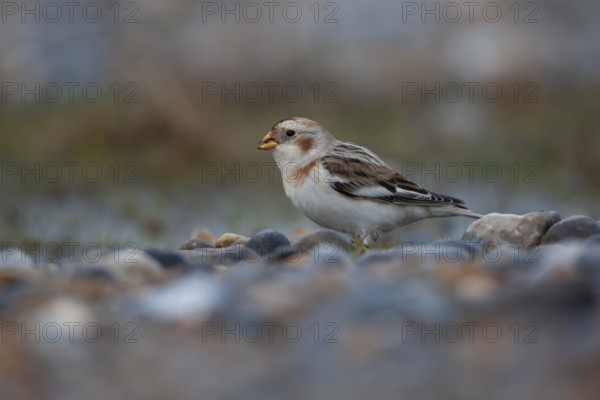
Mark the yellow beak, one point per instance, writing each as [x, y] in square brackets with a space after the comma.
[267, 142]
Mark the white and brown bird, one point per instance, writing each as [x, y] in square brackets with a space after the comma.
[346, 187]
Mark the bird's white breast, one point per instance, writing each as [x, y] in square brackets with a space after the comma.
[323, 205]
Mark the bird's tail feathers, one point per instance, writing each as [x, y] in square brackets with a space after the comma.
[466, 212]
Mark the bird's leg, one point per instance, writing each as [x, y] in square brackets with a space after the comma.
[370, 237]
[358, 246]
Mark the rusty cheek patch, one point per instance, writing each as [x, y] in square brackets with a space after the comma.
[298, 175]
[306, 144]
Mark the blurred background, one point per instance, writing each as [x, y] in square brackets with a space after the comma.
[138, 121]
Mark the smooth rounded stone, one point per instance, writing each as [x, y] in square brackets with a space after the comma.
[193, 244]
[203, 235]
[324, 236]
[265, 242]
[231, 239]
[286, 253]
[167, 259]
[224, 256]
[176, 261]
[130, 266]
[510, 230]
[577, 227]
[189, 299]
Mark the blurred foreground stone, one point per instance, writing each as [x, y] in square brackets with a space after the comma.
[511, 230]
[271, 318]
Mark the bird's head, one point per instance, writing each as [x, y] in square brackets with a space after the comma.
[296, 139]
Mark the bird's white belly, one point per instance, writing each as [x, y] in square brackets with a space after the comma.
[328, 208]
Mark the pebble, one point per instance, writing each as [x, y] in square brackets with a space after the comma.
[187, 300]
[168, 259]
[193, 244]
[285, 253]
[509, 230]
[176, 261]
[577, 227]
[265, 242]
[132, 267]
[203, 235]
[324, 236]
[363, 321]
[231, 239]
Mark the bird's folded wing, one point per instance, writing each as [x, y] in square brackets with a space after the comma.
[376, 181]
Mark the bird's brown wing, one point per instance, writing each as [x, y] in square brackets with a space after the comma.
[356, 172]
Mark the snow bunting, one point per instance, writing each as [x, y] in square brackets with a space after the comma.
[346, 187]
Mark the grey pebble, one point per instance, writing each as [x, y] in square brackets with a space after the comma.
[267, 241]
[576, 227]
[329, 236]
[509, 230]
[193, 244]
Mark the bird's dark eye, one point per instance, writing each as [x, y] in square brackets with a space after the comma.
[290, 133]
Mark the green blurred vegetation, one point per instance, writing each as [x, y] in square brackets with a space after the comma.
[561, 134]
